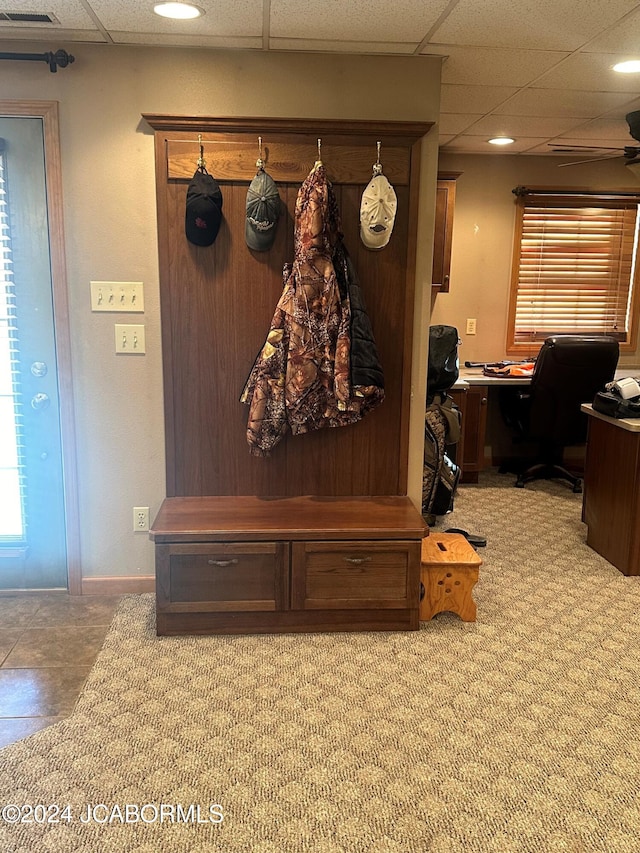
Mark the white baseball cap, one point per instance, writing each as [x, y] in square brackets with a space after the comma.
[377, 212]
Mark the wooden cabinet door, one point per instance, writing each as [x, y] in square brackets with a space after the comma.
[472, 402]
[443, 230]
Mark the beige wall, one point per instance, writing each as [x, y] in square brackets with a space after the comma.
[483, 238]
[110, 222]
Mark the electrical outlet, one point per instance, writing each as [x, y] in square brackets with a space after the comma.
[117, 296]
[140, 518]
[471, 326]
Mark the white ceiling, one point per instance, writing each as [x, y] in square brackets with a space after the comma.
[537, 70]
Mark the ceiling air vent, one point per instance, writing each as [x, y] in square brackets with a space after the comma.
[28, 18]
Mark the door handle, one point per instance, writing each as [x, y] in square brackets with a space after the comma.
[40, 401]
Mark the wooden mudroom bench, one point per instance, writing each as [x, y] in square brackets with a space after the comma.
[229, 564]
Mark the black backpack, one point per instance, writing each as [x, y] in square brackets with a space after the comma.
[440, 474]
[443, 368]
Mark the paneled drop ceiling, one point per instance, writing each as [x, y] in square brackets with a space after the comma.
[537, 70]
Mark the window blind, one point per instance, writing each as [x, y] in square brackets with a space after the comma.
[575, 267]
[12, 518]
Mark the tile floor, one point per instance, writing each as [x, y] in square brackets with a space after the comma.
[48, 643]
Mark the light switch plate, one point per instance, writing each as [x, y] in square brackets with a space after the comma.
[125, 296]
[130, 339]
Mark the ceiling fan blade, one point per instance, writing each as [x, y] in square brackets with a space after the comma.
[590, 160]
[570, 148]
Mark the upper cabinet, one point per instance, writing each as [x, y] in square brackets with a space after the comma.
[443, 231]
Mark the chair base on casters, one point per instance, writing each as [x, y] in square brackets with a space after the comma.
[548, 467]
[548, 471]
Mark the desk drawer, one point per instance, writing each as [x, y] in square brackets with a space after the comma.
[222, 576]
[355, 575]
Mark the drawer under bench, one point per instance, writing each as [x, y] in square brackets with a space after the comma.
[263, 565]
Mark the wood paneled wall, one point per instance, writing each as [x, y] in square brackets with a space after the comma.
[217, 303]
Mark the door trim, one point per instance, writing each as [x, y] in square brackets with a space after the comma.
[48, 112]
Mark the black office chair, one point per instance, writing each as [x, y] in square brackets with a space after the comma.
[569, 370]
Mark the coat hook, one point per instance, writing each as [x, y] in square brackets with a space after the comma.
[201, 160]
[377, 167]
[260, 161]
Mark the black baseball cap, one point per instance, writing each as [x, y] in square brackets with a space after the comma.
[204, 209]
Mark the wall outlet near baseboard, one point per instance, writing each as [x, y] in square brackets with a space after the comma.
[140, 519]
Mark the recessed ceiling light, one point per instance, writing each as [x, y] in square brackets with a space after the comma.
[632, 66]
[179, 11]
[501, 140]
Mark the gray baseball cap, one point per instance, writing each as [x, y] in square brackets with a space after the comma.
[263, 211]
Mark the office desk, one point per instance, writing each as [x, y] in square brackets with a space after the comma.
[611, 499]
[472, 393]
[473, 376]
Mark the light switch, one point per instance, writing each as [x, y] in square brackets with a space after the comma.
[126, 296]
[130, 339]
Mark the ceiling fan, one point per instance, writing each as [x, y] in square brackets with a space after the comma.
[630, 153]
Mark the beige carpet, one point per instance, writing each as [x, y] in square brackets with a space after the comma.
[520, 732]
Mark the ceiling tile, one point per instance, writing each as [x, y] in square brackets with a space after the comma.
[622, 109]
[479, 145]
[221, 18]
[510, 125]
[493, 67]
[456, 122]
[602, 129]
[552, 102]
[316, 45]
[357, 20]
[70, 13]
[45, 35]
[170, 39]
[473, 99]
[543, 25]
[621, 38]
[590, 71]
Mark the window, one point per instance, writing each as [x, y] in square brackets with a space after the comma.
[574, 269]
[12, 526]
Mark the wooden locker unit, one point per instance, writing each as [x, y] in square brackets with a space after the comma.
[217, 303]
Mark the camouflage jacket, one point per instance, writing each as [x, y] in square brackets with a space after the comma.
[302, 377]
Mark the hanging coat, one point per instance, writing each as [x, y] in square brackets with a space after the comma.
[302, 377]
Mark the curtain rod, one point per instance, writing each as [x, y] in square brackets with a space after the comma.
[59, 58]
[523, 191]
